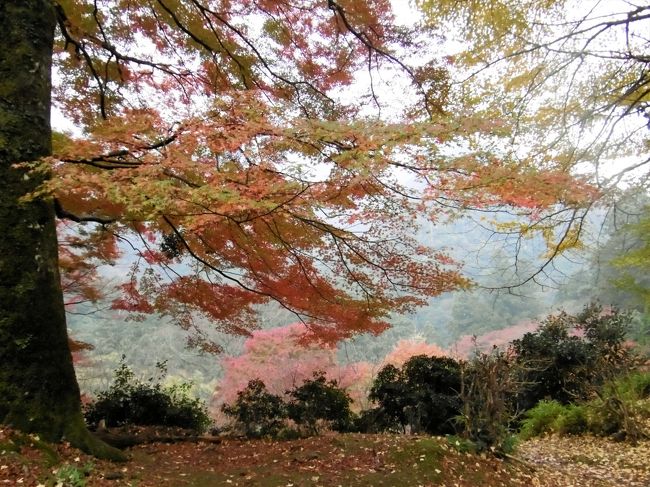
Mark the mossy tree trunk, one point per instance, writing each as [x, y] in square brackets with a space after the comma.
[38, 388]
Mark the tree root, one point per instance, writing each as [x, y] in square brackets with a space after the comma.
[121, 438]
[79, 437]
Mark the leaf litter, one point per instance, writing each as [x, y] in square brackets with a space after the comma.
[347, 460]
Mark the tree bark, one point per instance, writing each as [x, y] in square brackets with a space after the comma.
[38, 389]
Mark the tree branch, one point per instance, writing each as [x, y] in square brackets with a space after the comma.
[64, 214]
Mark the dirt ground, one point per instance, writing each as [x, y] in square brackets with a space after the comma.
[332, 460]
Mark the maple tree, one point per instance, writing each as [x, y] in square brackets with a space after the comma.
[406, 348]
[283, 360]
[222, 141]
[467, 345]
[570, 78]
[573, 75]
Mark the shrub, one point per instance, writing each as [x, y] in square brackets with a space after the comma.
[488, 385]
[574, 420]
[622, 407]
[618, 410]
[556, 364]
[258, 412]
[315, 402]
[632, 387]
[370, 421]
[390, 391]
[318, 400]
[131, 401]
[423, 395]
[434, 384]
[540, 419]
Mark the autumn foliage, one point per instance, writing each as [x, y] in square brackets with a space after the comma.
[467, 345]
[410, 347]
[221, 143]
[235, 154]
[283, 360]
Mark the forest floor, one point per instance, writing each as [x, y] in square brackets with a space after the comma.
[331, 460]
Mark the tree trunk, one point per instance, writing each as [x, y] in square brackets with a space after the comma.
[38, 388]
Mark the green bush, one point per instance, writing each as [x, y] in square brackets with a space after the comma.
[258, 412]
[315, 403]
[541, 419]
[371, 420]
[556, 364]
[131, 401]
[603, 420]
[574, 420]
[318, 400]
[632, 387]
[553, 417]
[389, 391]
[622, 407]
[423, 395]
